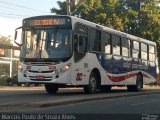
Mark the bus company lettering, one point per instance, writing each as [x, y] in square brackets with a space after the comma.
[127, 65]
[79, 76]
[134, 66]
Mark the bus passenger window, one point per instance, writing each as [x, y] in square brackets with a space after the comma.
[144, 54]
[135, 51]
[106, 42]
[125, 47]
[95, 37]
[116, 44]
[151, 53]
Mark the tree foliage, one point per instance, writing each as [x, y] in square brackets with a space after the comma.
[136, 17]
[5, 40]
[62, 10]
[131, 16]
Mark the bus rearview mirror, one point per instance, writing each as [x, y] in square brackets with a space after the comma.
[17, 33]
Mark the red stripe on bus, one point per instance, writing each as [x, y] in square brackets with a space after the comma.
[124, 77]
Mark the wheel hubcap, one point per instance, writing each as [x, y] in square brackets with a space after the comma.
[139, 82]
[93, 84]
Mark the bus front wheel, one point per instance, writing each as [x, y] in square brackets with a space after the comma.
[51, 88]
[92, 86]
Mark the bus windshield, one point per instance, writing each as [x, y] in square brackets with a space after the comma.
[47, 44]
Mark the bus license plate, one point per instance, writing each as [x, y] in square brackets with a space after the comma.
[40, 78]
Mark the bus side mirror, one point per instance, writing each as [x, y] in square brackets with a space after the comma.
[16, 40]
[15, 36]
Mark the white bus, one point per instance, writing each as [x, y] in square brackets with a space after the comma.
[61, 51]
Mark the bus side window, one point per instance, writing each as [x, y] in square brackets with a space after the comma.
[152, 53]
[92, 35]
[106, 43]
[144, 54]
[95, 40]
[135, 50]
[125, 47]
[75, 43]
[116, 44]
[82, 44]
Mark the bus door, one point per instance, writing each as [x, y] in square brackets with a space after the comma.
[81, 62]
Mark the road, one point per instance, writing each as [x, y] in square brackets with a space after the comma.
[21, 99]
[128, 105]
[15, 95]
[145, 107]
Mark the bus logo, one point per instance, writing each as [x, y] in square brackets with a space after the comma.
[79, 76]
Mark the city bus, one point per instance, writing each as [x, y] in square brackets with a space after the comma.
[66, 51]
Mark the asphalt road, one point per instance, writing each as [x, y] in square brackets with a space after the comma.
[145, 104]
[23, 99]
[17, 95]
[145, 107]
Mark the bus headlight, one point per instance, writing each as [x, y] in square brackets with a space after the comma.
[63, 69]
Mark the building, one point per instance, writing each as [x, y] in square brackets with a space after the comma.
[9, 59]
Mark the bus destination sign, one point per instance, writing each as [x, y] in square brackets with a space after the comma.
[46, 22]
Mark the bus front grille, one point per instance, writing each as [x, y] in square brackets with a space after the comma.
[40, 78]
[32, 71]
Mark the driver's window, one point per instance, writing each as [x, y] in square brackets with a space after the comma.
[80, 46]
[82, 42]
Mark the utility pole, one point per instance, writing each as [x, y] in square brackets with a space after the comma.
[68, 7]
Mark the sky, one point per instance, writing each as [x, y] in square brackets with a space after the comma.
[12, 12]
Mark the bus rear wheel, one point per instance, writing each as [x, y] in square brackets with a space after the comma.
[51, 88]
[139, 84]
[92, 86]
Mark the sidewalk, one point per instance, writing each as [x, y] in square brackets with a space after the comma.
[22, 88]
[42, 87]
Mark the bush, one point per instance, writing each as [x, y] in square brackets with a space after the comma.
[3, 81]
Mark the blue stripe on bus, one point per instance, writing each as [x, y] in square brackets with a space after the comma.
[118, 65]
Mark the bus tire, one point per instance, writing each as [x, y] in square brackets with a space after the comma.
[139, 84]
[19, 84]
[92, 86]
[51, 88]
[106, 88]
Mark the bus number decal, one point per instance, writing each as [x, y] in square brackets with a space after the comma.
[79, 76]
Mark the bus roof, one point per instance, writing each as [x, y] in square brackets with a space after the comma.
[129, 36]
[91, 24]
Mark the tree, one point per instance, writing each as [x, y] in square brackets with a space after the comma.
[144, 21]
[62, 10]
[5, 40]
[63, 7]
[137, 17]
[104, 12]
[131, 16]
